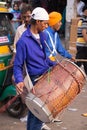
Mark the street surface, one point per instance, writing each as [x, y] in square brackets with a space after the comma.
[71, 116]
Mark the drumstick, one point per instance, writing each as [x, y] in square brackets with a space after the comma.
[81, 60]
[19, 90]
[7, 67]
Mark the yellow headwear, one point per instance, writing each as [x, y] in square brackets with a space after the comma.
[54, 17]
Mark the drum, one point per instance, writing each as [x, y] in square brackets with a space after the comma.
[55, 90]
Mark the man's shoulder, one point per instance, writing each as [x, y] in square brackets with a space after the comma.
[20, 30]
[46, 31]
[25, 35]
[22, 26]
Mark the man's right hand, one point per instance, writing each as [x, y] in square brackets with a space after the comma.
[19, 87]
[22, 91]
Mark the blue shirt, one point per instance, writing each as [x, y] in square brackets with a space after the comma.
[57, 43]
[16, 14]
[31, 52]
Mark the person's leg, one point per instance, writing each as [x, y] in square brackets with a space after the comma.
[79, 55]
[33, 122]
[85, 67]
[85, 57]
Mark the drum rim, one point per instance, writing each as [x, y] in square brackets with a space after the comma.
[45, 108]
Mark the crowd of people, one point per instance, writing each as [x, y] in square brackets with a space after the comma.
[37, 43]
[50, 5]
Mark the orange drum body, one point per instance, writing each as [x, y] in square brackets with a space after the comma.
[55, 90]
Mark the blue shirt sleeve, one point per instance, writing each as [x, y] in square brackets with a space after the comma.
[19, 62]
[61, 50]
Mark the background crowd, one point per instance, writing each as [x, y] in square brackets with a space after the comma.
[38, 24]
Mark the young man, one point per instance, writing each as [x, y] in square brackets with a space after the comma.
[53, 42]
[25, 13]
[81, 43]
[31, 50]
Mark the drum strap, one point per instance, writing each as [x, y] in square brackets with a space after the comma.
[53, 43]
[50, 51]
[28, 78]
[58, 57]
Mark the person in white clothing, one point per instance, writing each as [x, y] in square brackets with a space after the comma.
[25, 13]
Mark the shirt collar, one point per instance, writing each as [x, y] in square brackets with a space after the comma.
[51, 30]
[28, 32]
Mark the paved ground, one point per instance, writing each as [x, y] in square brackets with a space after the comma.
[71, 116]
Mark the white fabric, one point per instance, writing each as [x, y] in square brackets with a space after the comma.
[39, 14]
[18, 34]
[27, 81]
[45, 127]
[80, 6]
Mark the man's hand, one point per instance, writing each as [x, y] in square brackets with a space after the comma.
[73, 59]
[22, 91]
[19, 87]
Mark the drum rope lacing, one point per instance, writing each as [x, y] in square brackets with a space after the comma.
[79, 84]
[65, 94]
[52, 89]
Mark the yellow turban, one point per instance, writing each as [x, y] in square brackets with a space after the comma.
[54, 17]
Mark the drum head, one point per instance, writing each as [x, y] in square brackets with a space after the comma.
[38, 108]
